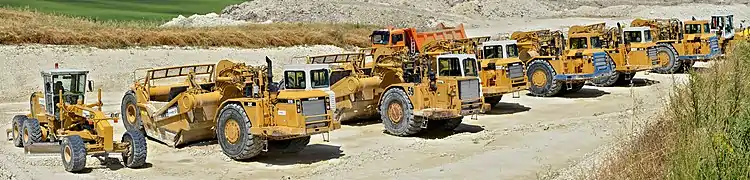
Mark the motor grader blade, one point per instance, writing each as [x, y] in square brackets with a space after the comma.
[42, 149]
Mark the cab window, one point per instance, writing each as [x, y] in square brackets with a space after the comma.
[578, 43]
[706, 29]
[512, 50]
[692, 28]
[647, 35]
[633, 37]
[319, 78]
[294, 79]
[596, 42]
[75, 84]
[397, 38]
[449, 67]
[380, 37]
[493, 52]
[470, 67]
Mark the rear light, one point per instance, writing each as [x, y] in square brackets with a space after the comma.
[298, 103]
[328, 103]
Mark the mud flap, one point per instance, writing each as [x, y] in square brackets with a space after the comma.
[43, 149]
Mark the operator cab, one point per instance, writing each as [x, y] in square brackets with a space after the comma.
[386, 37]
[499, 49]
[723, 25]
[296, 78]
[637, 35]
[457, 65]
[697, 27]
[585, 41]
[71, 82]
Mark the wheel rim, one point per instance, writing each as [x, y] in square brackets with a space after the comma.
[131, 114]
[67, 153]
[15, 131]
[395, 112]
[25, 135]
[232, 131]
[663, 58]
[539, 78]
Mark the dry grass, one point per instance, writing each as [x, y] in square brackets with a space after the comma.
[704, 133]
[29, 27]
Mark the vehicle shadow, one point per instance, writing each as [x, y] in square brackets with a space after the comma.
[639, 82]
[311, 154]
[507, 108]
[197, 144]
[441, 134]
[585, 93]
[362, 121]
[112, 164]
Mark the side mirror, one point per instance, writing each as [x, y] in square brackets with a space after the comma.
[90, 86]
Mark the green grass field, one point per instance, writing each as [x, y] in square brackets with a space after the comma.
[149, 10]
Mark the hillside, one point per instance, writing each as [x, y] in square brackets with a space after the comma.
[157, 10]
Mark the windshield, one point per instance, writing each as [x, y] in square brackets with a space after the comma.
[633, 37]
[449, 67]
[470, 67]
[512, 50]
[578, 43]
[692, 28]
[319, 78]
[596, 42]
[75, 84]
[294, 79]
[493, 52]
[380, 37]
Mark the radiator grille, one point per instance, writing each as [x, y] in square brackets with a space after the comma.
[468, 89]
[313, 108]
[515, 71]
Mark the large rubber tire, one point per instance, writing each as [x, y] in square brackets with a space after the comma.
[73, 153]
[674, 63]
[135, 156]
[290, 145]
[32, 132]
[551, 87]
[17, 130]
[607, 81]
[129, 100]
[407, 125]
[246, 145]
[493, 101]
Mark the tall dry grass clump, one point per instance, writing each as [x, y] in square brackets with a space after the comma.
[704, 132]
[25, 27]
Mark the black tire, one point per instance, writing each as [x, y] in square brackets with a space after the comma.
[607, 81]
[674, 63]
[32, 132]
[135, 156]
[75, 149]
[493, 101]
[408, 125]
[127, 100]
[551, 87]
[453, 123]
[17, 130]
[290, 145]
[246, 145]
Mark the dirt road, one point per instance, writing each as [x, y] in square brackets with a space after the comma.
[522, 138]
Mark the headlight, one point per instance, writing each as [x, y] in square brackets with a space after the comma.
[298, 103]
[328, 103]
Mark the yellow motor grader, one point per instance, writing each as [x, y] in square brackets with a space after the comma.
[688, 41]
[59, 121]
[630, 50]
[556, 66]
[237, 104]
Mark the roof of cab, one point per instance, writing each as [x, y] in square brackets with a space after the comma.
[306, 66]
[495, 43]
[636, 29]
[64, 71]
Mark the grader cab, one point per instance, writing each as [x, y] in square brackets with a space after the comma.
[555, 65]
[60, 122]
[235, 103]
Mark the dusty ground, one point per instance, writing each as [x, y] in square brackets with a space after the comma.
[523, 138]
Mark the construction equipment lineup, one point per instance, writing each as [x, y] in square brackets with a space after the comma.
[413, 81]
